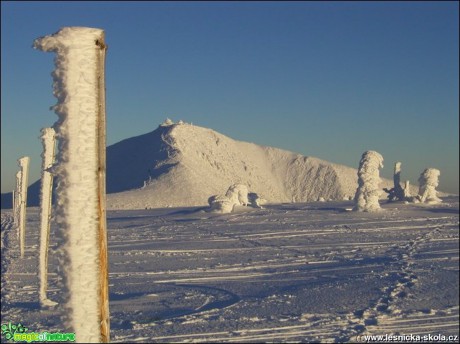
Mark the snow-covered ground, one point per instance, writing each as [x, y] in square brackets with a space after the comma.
[289, 272]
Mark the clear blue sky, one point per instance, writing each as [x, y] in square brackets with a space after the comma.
[324, 79]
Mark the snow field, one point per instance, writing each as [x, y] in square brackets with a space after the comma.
[289, 272]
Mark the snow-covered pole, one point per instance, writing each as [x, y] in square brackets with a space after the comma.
[80, 168]
[13, 202]
[24, 164]
[103, 246]
[17, 199]
[49, 142]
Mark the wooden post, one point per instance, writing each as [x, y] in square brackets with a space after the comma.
[80, 166]
[49, 143]
[17, 200]
[24, 164]
[103, 247]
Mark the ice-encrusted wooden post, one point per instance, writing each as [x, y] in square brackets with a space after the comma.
[49, 142]
[17, 199]
[80, 167]
[24, 165]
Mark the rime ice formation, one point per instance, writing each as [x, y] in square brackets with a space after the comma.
[48, 141]
[238, 193]
[17, 198]
[221, 204]
[368, 192]
[397, 193]
[22, 204]
[428, 182]
[76, 85]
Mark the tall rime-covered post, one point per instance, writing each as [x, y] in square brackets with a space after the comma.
[79, 87]
[24, 165]
[368, 192]
[49, 142]
[17, 199]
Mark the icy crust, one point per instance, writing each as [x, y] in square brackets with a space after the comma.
[368, 192]
[75, 86]
[69, 38]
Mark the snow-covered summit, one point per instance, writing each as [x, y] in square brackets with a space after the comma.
[182, 165]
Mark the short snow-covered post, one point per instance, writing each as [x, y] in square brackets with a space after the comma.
[368, 192]
[428, 182]
[24, 165]
[49, 142]
[80, 167]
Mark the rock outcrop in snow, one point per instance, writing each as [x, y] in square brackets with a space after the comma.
[368, 192]
[429, 181]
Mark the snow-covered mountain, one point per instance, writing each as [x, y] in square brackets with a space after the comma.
[183, 165]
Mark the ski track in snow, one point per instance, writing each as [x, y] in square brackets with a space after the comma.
[289, 272]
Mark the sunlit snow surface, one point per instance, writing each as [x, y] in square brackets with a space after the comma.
[289, 272]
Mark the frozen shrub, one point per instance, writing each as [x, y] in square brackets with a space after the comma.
[428, 181]
[368, 192]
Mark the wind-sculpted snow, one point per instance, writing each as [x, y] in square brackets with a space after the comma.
[303, 272]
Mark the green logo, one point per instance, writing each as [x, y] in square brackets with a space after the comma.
[8, 330]
[18, 333]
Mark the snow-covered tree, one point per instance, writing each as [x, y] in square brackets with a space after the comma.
[221, 204]
[80, 168]
[428, 182]
[397, 193]
[238, 193]
[368, 191]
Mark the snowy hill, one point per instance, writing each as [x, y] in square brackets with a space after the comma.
[183, 164]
